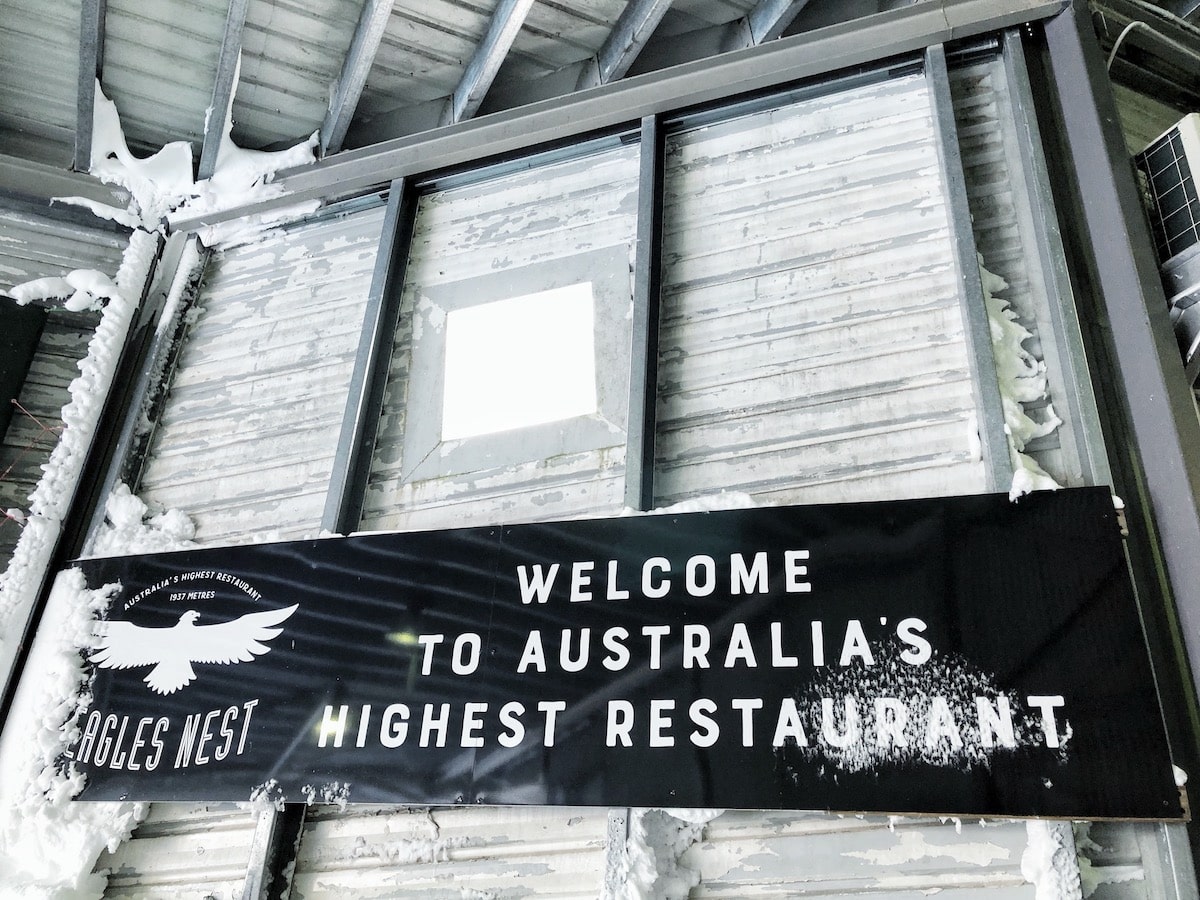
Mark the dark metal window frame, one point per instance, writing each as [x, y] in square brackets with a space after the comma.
[359, 429]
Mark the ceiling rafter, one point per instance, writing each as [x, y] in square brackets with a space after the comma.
[368, 34]
[91, 67]
[629, 36]
[485, 64]
[770, 18]
[223, 85]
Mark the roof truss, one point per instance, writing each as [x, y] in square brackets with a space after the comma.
[223, 85]
[485, 64]
[770, 18]
[629, 36]
[349, 87]
[91, 66]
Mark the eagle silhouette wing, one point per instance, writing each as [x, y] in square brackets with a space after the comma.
[237, 641]
[171, 651]
[124, 645]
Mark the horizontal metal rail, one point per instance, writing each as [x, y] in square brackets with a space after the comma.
[819, 52]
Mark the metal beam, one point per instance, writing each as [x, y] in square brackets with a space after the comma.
[223, 85]
[989, 405]
[360, 421]
[769, 18]
[273, 852]
[485, 64]
[372, 23]
[643, 356]
[161, 321]
[1153, 401]
[808, 55]
[39, 183]
[14, 207]
[91, 66]
[629, 35]
[1070, 382]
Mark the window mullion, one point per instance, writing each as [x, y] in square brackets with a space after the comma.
[1074, 385]
[988, 404]
[643, 373]
[183, 259]
[360, 422]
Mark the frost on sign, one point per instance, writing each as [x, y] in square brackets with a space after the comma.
[522, 361]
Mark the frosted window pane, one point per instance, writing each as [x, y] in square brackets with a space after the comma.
[518, 362]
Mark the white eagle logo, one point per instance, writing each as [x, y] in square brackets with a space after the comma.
[172, 651]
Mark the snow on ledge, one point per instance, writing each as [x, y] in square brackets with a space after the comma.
[163, 183]
[48, 844]
[48, 503]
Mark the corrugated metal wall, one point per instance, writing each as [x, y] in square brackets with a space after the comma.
[183, 852]
[176, 50]
[32, 247]
[749, 854]
[291, 56]
[449, 854]
[246, 440]
[538, 216]
[812, 345]
[39, 62]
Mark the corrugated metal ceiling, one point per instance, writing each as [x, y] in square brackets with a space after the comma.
[358, 72]
[164, 61]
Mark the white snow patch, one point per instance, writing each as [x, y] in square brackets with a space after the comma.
[1022, 379]
[50, 288]
[81, 289]
[1049, 863]
[653, 866]
[48, 844]
[704, 503]
[130, 527]
[266, 796]
[164, 183]
[48, 503]
[122, 216]
[336, 793]
[156, 184]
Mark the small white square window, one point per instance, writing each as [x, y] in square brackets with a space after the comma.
[521, 361]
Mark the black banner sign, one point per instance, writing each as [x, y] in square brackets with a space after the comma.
[965, 656]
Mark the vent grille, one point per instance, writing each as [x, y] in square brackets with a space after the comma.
[1168, 170]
